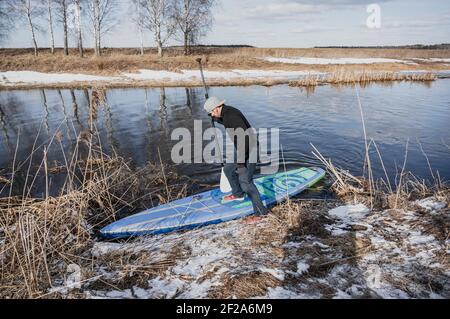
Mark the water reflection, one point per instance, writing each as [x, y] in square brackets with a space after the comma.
[137, 123]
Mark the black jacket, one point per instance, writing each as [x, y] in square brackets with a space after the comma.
[232, 118]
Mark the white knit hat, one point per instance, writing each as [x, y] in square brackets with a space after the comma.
[212, 103]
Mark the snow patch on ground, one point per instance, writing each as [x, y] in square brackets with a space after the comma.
[20, 77]
[310, 60]
[302, 267]
[395, 256]
[349, 213]
[431, 204]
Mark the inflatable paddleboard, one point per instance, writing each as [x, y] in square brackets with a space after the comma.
[209, 208]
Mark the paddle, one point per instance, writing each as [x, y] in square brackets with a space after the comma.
[225, 186]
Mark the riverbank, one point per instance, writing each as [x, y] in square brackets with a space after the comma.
[16, 80]
[119, 68]
[367, 242]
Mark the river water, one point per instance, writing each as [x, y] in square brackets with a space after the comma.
[137, 123]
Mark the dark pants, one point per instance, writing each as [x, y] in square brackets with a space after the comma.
[241, 181]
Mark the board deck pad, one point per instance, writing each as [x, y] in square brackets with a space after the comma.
[209, 207]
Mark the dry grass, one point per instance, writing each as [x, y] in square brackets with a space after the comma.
[114, 61]
[43, 237]
[343, 52]
[117, 61]
[343, 76]
[379, 193]
[244, 285]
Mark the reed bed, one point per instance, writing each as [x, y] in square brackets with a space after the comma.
[381, 193]
[42, 239]
[343, 76]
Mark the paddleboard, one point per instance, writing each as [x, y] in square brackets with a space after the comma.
[209, 207]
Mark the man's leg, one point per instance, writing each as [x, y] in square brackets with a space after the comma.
[247, 185]
[230, 172]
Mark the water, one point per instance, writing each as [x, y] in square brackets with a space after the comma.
[138, 122]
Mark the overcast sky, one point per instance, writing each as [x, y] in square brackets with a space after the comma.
[294, 23]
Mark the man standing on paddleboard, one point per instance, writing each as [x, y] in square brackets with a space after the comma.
[239, 172]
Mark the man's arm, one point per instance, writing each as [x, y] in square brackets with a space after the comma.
[236, 121]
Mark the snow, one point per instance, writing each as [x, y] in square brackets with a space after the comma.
[396, 254]
[20, 77]
[420, 239]
[311, 60]
[349, 213]
[346, 216]
[277, 273]
[431, 204]
[433, 59]
[302, 267]
[163, 288]
[11, 77]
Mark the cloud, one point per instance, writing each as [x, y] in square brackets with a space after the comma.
[341, 3]
[312, 29]
[423, 23]
[283, 10]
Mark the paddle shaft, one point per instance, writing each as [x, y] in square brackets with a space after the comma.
[199, 60]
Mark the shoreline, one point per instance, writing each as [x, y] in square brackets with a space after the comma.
[24, 80]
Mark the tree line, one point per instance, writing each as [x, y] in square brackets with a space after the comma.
[181, 20]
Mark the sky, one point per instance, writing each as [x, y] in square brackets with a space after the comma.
[291, 23]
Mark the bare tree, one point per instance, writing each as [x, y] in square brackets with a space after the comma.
[158, 18]
[77, 18]
[193, 18]
[138, 19]
[5, 21]
[49, 4]
[62, 13]
[29, 11]
[101, 15]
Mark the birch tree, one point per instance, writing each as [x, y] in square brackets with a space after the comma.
[102, 19]
[29, 11]
[158, 18]
[62, 12]
[138, 19]
[50, 24]
[193, 18]
[77, 17]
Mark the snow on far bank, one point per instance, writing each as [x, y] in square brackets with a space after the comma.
[307, 60]
[445, 60]
[31, 77]
[13, 77]
[186, 75]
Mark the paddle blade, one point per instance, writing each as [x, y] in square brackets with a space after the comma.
[225, 186]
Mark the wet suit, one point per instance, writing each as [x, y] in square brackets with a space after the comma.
[240, 172]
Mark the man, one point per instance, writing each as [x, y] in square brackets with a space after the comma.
[240, 173]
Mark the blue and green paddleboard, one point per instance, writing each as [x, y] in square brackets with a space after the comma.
[209, 208]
